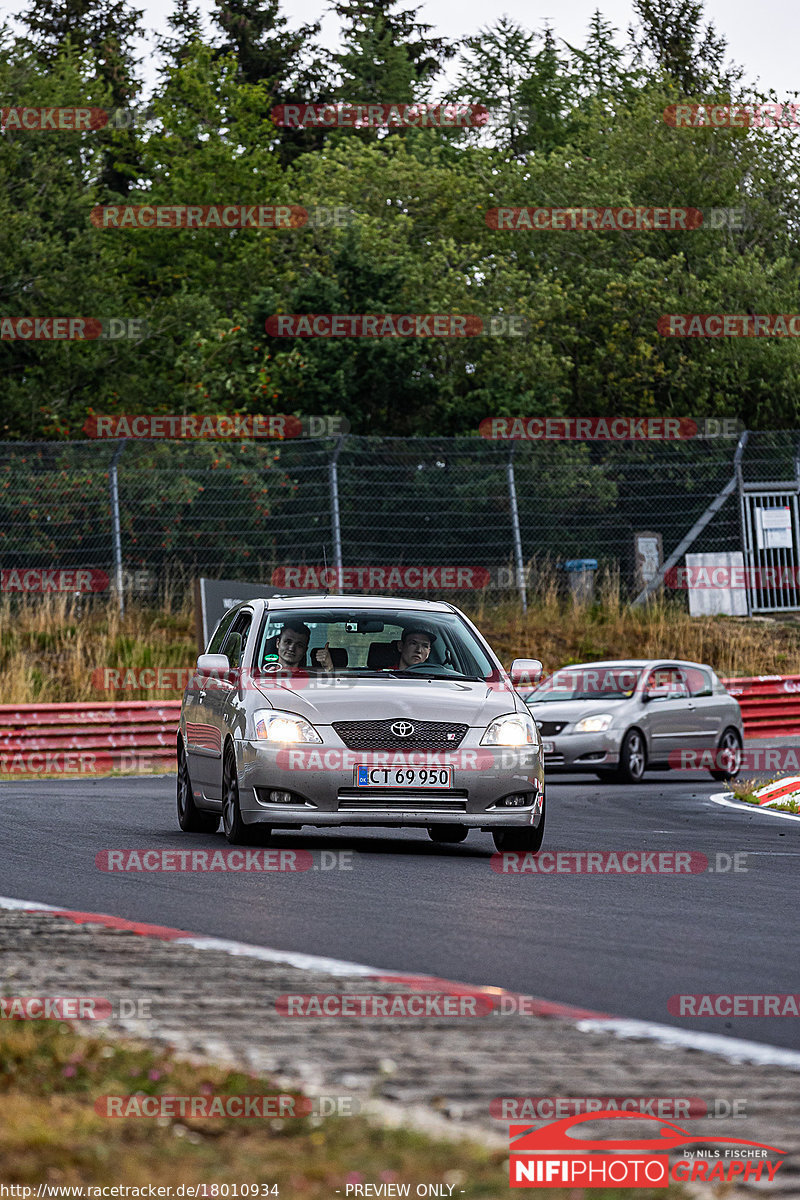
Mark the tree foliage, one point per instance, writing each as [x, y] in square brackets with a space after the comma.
[577, 126]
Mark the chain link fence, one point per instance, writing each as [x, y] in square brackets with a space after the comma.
[153, 515]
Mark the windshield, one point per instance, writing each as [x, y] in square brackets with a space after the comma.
[380, 642]
[587, 683]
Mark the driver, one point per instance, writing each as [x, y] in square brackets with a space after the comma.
[415, 647]
[290, 649]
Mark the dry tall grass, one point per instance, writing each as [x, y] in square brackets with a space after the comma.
[50, 646]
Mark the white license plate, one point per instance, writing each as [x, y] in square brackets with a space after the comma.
[414, 777]
[548, 747]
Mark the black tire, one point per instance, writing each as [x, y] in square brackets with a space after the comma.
[191, 818]
[526, 839]
[234, 828]
[447, 833]
[730, 744]
[632, 758]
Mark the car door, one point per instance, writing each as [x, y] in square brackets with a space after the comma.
[223, 709]
[201, 740]
[712, 709]
[669, 717]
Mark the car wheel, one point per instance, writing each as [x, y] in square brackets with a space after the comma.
[447, 833]
[234, 828]
[527, 839]
[729, 754]
[191, 818]
[632, 758]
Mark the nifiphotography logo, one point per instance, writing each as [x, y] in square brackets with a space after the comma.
[553, 1156]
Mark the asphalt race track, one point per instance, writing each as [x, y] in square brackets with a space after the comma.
[619, 944]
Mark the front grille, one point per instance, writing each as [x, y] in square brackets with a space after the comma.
[377, 735]
[551, 728]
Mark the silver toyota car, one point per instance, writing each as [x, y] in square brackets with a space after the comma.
[620, 718]
[358, 711]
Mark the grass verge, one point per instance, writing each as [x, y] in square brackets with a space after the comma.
[51, 1076]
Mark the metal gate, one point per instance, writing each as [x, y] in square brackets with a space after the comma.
[771, 529]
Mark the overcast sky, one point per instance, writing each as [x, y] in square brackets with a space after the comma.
[763, 40]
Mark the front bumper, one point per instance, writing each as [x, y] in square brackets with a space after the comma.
[321, 780]
[576, 752]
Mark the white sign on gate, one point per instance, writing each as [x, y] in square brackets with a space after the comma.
[774, 528]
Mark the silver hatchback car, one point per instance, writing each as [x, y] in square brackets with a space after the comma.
[620, 718]
[358, 711]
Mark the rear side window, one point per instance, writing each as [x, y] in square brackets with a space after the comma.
[701, 683]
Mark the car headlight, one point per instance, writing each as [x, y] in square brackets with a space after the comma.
[594, 724]
[272, 725]
[514, 729]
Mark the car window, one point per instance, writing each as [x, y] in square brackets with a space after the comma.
[236, 640]
[667, 679]
[699, 681]
[218, 637]
[370, 639]
[587, 683]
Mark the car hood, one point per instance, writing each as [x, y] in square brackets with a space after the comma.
[368, 699]
[573, 710]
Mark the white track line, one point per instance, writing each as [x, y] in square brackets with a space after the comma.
[724, 798]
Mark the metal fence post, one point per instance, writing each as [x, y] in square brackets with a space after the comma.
[512, 498]
[333, 483]
[116, 539]
[698, 527]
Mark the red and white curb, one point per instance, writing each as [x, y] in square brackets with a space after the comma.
[584, 1020]
[728, 801]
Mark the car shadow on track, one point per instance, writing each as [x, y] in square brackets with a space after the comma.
[294, 839]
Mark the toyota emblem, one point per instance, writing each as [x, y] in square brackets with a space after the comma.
[402, 729]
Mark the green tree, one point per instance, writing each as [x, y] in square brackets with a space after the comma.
[670, 35]
[493, 65]
[388, 57]
[107, 30]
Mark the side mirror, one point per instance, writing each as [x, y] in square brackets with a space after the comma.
[662, 693]
[526, 672]
[213, 664]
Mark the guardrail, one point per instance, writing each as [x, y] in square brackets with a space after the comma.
[131, 733]
[770, 704]
[62, 738]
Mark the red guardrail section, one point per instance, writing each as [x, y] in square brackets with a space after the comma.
[58, 738]
[130, 733]
[770, 704]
